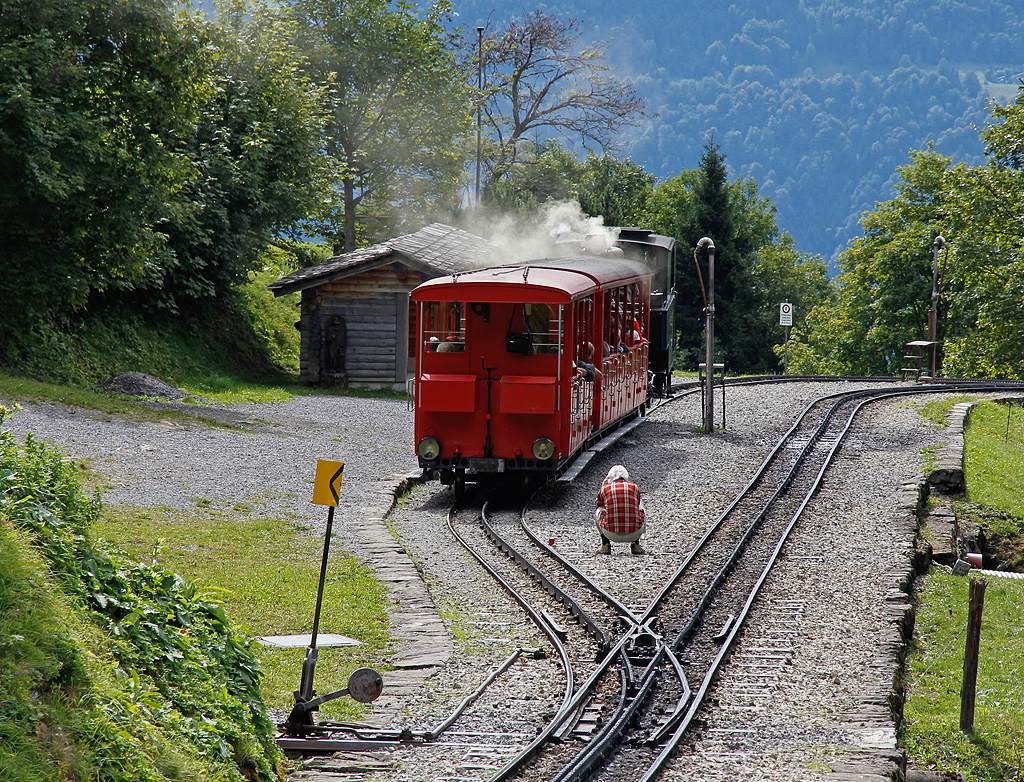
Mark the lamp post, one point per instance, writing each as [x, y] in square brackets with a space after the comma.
[933, 313]
[479, 101]
[709, 334]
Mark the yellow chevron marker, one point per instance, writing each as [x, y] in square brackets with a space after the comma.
[327, 483]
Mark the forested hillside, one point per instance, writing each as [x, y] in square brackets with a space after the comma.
[818, 102]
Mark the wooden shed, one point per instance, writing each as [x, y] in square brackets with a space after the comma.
[356, 321]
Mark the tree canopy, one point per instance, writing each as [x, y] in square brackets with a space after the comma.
[881, 300]
[756, 265]
[397, 103]
[145, 150]
[536, 86]
[97, 99]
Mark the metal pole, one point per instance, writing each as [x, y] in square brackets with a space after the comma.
[479, 101]
[785, 361]
[709, 333]
[309, 664]
[933, 313]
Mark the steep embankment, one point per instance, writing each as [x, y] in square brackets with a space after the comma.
[110, 670]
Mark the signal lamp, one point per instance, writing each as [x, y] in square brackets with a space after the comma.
[429, 448]
[543, 448]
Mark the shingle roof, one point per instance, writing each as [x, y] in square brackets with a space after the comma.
[437, 249]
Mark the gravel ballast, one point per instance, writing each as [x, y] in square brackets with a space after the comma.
[834, 601]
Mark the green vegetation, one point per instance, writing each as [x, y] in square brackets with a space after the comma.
[995, 491]
[882, 299]
[281, 562]
[817, 102]
[247, 340]
[756, 264]
[935, 412]
[995, 457]
[111, 669]
[932, 738]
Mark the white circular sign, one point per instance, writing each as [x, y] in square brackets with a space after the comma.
[785, 314]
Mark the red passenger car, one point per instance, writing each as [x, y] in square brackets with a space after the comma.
[501, 378]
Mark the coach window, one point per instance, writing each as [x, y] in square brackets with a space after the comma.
[444, 327]
[582, 317]
[542, 323]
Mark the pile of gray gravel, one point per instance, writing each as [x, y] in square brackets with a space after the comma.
[141, 384]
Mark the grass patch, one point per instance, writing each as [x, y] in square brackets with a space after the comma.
[111, 669]
[264, 572]
[222, 388]
[994, 467]
[994, 457]
[932, 737]
[937, 410]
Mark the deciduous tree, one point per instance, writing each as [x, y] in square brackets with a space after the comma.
[537, 86]
[256, 152]
[397, 103]
[96, 100]
[884, 290]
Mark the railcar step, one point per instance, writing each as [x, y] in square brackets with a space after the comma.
[576, 467]
[615, 436]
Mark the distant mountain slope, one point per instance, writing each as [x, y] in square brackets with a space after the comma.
[818, 102]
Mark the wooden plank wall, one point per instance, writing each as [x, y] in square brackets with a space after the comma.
[375, 306]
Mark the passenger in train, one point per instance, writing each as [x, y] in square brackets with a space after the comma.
[586, 369]
[451, 344]
[620, 515]
[635, 336]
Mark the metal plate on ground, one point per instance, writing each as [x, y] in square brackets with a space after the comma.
[365, 685]
[302, 640]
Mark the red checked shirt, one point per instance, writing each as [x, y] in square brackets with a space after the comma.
[621, 501]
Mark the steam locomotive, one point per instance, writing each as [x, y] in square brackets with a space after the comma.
[520, 368]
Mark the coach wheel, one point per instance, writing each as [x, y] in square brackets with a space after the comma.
[459, 486]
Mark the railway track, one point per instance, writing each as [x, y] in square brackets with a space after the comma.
[670, 653]
[637, 677]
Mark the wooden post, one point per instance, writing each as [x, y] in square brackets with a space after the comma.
[970, 685]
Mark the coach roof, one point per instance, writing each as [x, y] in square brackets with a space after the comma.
[569, 277]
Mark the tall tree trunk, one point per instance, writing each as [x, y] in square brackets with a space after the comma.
[350, 215]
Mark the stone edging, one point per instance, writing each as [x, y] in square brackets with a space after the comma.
[422, 642]
[878, 722]
[948, 477]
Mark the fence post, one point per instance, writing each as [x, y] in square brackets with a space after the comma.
[968, 690]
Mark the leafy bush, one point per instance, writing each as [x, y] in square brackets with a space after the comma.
[179, 693]
[248, 335]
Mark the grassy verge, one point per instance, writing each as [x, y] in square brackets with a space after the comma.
[111, 670]
[995, 457]
[995, 753]
[264, 572]
[995, 501]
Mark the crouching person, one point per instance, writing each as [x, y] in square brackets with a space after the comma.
[620, 512]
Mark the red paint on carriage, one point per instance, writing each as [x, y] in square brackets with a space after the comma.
[497, 388]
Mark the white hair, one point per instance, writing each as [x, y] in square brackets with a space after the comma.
[617, 473]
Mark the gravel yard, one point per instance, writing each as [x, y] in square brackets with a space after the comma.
[833, 605]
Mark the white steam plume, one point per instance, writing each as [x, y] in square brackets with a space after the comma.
[560, 229]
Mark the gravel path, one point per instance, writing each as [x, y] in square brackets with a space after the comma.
[261, 454]
[831, 603]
